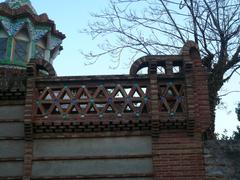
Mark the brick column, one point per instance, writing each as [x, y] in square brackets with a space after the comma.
[178, 153]
[152, 72]
[28, 115]
[189, 89]
[201, 90]
[199, 117]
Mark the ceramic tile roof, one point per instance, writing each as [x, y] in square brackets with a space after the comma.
[15, 4]
[26, 11]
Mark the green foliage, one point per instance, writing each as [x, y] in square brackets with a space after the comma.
[236, 134]
[224, 136]
[238, 111]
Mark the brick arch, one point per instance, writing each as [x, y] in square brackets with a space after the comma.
[190, 48]
[42, 64]
[189, 51]
[138, 64]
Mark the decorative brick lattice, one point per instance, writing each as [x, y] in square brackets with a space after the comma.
[109, 103]
[172, 98]
[92, 100]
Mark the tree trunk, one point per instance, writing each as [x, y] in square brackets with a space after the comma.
[215, 82]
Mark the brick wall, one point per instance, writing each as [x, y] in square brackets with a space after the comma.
[178, 156]
[54, 114]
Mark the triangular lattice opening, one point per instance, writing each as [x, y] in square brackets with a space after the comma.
[137, 104]
[100, 106]
[127, 90]
[179, 108]
[47, 97]
[110, 90]
[92, 110]
[128, 109]
[110, 109]
[74, 110]
[74, 92]
[66, 97]
[144, 90]
[56, 93]
[170, 92]
[56, 111]
[136, 94]
[83, 95]
[83, 106]
[119, 94]
[64, 107]
[101, 95]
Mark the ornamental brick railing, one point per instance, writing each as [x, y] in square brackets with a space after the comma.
[108, 99]
[162, 98]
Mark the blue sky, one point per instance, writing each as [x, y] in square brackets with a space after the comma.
[72, 15]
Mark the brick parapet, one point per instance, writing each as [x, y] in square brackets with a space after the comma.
[177, 150]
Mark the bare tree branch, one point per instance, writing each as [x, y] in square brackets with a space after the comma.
[141, 27]
[230, 92]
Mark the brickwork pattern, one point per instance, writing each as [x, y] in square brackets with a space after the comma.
[177, 156]
[170, 104]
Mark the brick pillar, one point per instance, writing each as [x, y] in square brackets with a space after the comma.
[199, 117]
[190, 96]
[28, 114]
[201, 90]
[177, 156]
[152, 72]
[178, 153]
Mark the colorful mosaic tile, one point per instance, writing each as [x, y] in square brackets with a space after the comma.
[35, 32]
[54, 42]
[37, 27]
[12, 28]
[39, 33]
[15, 4]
